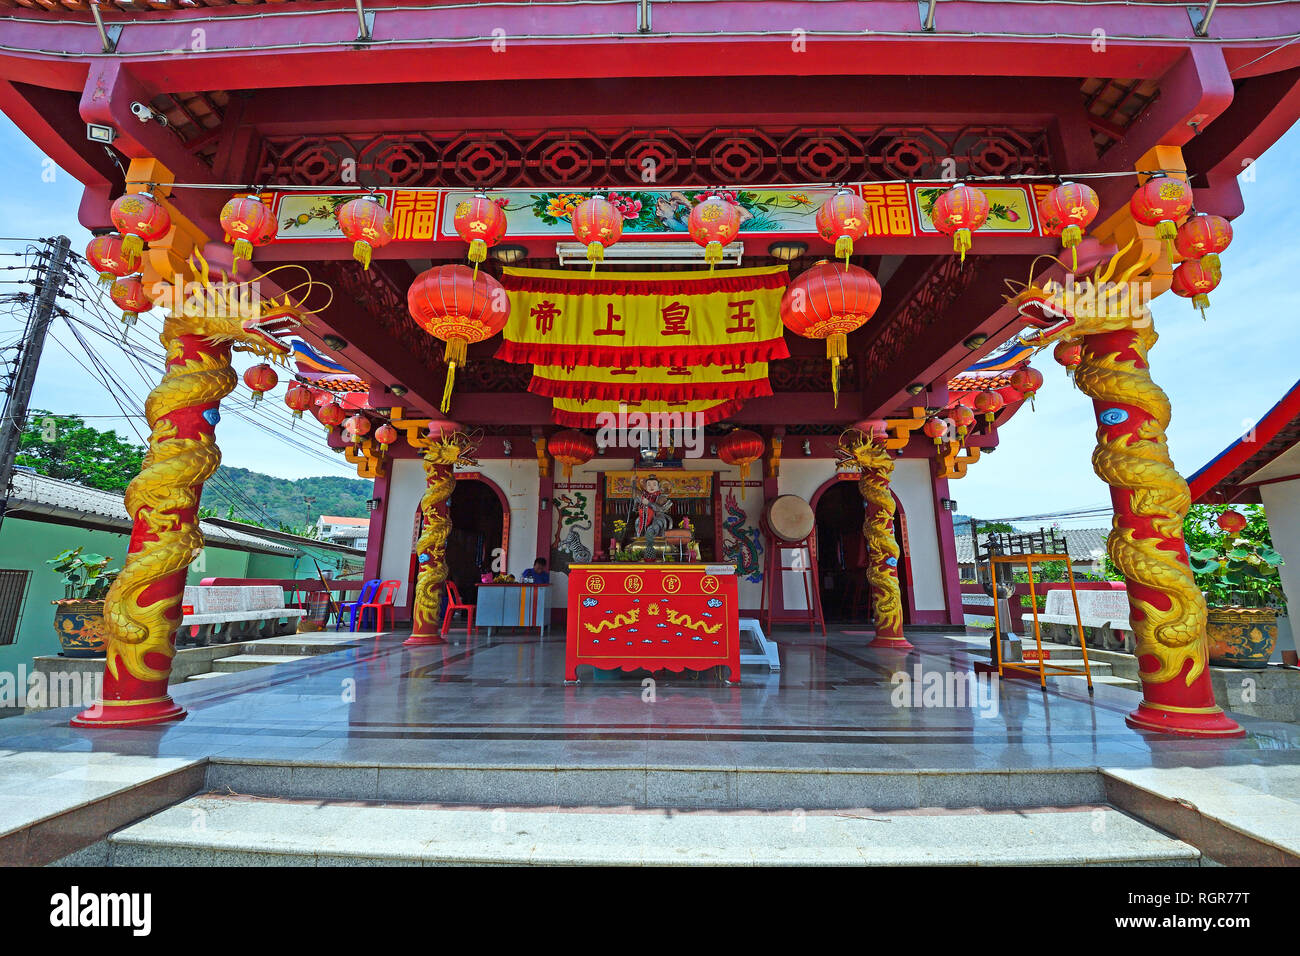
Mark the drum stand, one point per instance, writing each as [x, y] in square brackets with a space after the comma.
[805, 563]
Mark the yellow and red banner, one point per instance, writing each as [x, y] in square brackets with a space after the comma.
[594, 413]
[673, 482]
[648, 319]
[671, 383]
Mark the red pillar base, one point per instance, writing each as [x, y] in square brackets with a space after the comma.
[892, 643]
[423, 640]
[129, 713]
[1184, 721]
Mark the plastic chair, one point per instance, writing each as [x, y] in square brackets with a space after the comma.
[367, 594]
[381, 600]
[454, 603]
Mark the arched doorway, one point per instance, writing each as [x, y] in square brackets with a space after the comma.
[477, 532]
[842, 555]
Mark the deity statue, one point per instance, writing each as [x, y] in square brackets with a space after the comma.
[651, 505]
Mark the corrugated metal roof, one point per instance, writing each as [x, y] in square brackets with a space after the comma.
[1084, 544]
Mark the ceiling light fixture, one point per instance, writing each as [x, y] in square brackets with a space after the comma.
[648, 253]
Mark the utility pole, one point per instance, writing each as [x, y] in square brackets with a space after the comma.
[49, 283]
[306, 509]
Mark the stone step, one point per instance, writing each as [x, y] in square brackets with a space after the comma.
[301, 645]
[214, 830]
[244, 662]
[207, 675]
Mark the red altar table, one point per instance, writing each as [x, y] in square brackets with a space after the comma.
[652, 617]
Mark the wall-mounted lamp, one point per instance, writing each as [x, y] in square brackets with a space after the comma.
[787, 250]
[335, 342]
[509, 254]
[372, 505]
[544, 504]
[916, 388]
[975, 341]
[807, 447]
[99, 133]
[947, 504]
[507, 446]
[398, 390]
[713, 451]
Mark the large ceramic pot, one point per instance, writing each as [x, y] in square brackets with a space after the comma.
[80, 626]
[1241, 636]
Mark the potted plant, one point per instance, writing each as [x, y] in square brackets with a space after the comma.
[1236, 568]
[79, 616]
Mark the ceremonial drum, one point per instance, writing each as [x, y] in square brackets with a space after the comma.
[788, 518]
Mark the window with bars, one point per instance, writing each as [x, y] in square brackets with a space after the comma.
[13, 588]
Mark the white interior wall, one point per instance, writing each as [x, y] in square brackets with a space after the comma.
[1282, 505]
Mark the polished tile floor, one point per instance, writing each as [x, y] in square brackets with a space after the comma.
[835, 703]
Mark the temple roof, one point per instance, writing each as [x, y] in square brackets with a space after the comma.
[1268, 452]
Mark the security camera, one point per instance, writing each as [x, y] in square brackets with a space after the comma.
[146, 113]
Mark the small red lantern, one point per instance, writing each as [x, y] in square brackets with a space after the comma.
[460, 307]
[330, 413]
[1027, 381]
[481, 223]
[385, 434]
[571, 447]
[598, 223]
[712, 224]
[261, 378]
[1203, 237]
[355, 427]
[963, 418]
[958, 212]
[873, 429]
[1192, 280]
[248, 222]
[829, 301]
[1066, 211]
[936, 428]
[843, 220]
[443, 428]
[105, 254]
[139, 218]
[128, 295]
[1232, 522]
[741, 447]
[299, 399]
[1161, 202]
[367, 223]
[1068, 354]
[988, 403]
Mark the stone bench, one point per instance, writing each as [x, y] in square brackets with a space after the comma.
[1103, 613]
[223, 615]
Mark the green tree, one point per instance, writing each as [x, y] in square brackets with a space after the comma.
[64, 446]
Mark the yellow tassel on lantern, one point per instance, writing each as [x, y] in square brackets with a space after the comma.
[1202, 302]
[361, 252]
[453, 355]
[243, 250]
[1166, 230]
[132, 247]
[477, 253]
[713, 253]
[961, 242]
[744, 477]
[844, 248]
[1211, 264]
[595, 254]
[1070, 239]
[837, 347]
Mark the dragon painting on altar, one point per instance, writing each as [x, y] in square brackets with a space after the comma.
[743, 545]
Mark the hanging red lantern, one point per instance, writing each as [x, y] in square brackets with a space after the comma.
[248, 222]
[936, 428]
[712, 224]
[385, 434]
[330, 413]
[440, 429]
[873, 429]
[958, 212]
[481, 223]
[139, 218]
[261, 379]
[460, 307]
[1232, 522]
[299, 399]
[571, 447]
[988, 403]
[105, 254]
[597, 223]
[1068, 210]
[1068, 354]
[1192, 280]
[741, 447]
[1161, 202]
[368, 224]
[963, 417]
[829, 301]
[843, 220]
[1203, 237]
[129, 296]
[355, 427]
[1027, 381]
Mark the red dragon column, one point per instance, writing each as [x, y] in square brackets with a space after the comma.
[1167, 611]
[877, 466]
[440, 457]
[143, 608]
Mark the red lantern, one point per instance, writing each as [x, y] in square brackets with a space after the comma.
[367, 223]
[741, 447]
[261, 378]
[1203, 237]
[828, 302]
[139, 218]
[248, 222]
[1232, 521]
[1192, 280]
[128, 294]
[712, 224]
[481, 223]
[958, 212]
[598, 223]
[1068, 354]
[385, 434]
[1027, 381]
[356, 426]
[988, 403]
[443, 428]
[1066, 211]
[873, 429]
[105, 254]
[298, 398]
[963, 418]
[843, 220]
[571, 447]
[936, 428]
[459, 307]
[1161, 202]
[329, 413]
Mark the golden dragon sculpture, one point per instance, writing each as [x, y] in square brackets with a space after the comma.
[877, 466]
[142, 609]
[440, 458]
[1110, 317]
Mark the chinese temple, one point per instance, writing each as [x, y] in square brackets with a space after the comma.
[672, 295]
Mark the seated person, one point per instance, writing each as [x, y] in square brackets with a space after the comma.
[537, 574]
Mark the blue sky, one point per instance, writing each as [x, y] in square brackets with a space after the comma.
[1221, 375]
